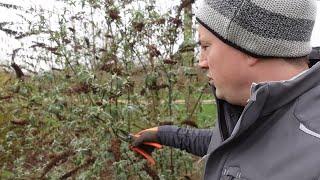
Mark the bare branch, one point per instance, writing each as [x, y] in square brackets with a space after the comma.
[18, 70]
[10, 6]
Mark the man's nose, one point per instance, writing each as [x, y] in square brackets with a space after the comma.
[203, 64]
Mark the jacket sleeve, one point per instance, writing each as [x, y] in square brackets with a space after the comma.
[194, 141]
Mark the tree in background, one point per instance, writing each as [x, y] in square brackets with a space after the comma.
[87, 69]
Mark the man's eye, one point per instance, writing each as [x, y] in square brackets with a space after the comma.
[204, 47]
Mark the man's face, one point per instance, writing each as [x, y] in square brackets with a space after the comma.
[227, 67]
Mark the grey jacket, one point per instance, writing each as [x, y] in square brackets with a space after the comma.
[275, 137]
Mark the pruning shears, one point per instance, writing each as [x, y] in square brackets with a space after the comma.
[142, 149]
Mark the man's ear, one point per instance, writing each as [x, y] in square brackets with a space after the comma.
[251, 61]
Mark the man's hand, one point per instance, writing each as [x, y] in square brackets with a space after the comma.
[147, 135]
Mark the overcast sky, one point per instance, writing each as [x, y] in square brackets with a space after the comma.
[7, 44]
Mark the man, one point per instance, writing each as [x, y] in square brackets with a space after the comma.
[268, 100]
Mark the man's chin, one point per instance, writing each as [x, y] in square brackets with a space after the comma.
[215, 91]
[218, 94]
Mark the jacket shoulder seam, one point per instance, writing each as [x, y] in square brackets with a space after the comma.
[305, 124]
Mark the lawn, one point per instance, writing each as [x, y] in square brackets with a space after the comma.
[206, 114]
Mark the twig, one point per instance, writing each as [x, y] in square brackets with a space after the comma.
[20, 122]
[89, 161]
[6, 97]
[18, 70]
[59, 157]
[152, 173]
[196, 105]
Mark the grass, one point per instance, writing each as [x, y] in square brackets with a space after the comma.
[206, 114]
[205, 96]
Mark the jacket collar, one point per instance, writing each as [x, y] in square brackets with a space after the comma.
[281, 93]
[265, 98]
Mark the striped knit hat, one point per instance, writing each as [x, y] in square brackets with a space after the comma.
[261, 28]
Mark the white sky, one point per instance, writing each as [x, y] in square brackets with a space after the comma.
[8, 44]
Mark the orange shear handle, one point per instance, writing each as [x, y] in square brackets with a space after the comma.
[147, 156]
[153, 144]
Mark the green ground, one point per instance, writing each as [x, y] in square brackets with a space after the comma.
[205, 117]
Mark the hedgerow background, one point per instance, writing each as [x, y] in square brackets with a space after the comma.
[88, 68]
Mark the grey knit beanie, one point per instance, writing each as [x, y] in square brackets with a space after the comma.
[261, 28]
